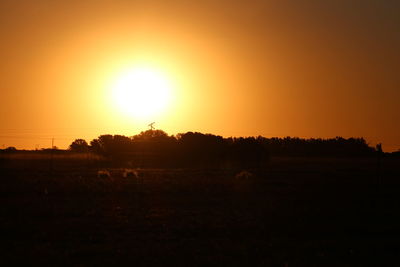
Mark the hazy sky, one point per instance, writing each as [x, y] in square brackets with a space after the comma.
[239, 68]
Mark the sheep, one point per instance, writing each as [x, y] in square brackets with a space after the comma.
[103, 174]
[243, 175]
[243, 183]
[130, 173]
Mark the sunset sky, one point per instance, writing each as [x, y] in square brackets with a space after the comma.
[232, 68]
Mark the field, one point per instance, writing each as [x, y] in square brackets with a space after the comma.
[293, 212]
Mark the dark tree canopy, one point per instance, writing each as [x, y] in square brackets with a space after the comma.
[155, 147]
[151, 135]
[79, 145]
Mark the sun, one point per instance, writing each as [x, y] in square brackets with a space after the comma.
[142, 93]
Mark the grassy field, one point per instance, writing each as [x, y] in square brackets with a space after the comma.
[294, 212]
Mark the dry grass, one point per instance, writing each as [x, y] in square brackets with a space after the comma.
[320, 212]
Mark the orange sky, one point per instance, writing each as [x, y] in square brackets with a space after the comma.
[239, 68]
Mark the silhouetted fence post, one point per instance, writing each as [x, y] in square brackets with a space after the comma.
[51, 154]
[379, 165]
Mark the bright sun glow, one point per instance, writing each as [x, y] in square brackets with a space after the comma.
[142, 93]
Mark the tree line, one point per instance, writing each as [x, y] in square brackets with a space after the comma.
[155, 147]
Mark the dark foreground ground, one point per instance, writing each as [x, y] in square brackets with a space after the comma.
[295, 212]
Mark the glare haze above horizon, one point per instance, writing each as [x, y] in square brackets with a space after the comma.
[78, 69]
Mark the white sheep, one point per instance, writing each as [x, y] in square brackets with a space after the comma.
[103, 174]
[130, 173]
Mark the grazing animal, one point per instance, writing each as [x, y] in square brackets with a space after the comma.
[243, 183]
[243, 175]
[129, 173]
[103, 174]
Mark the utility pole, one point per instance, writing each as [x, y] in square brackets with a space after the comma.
[51, 154]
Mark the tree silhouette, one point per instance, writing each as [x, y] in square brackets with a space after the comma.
[151, 135]
[79, 145]
[109, 145]
[157, 148]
